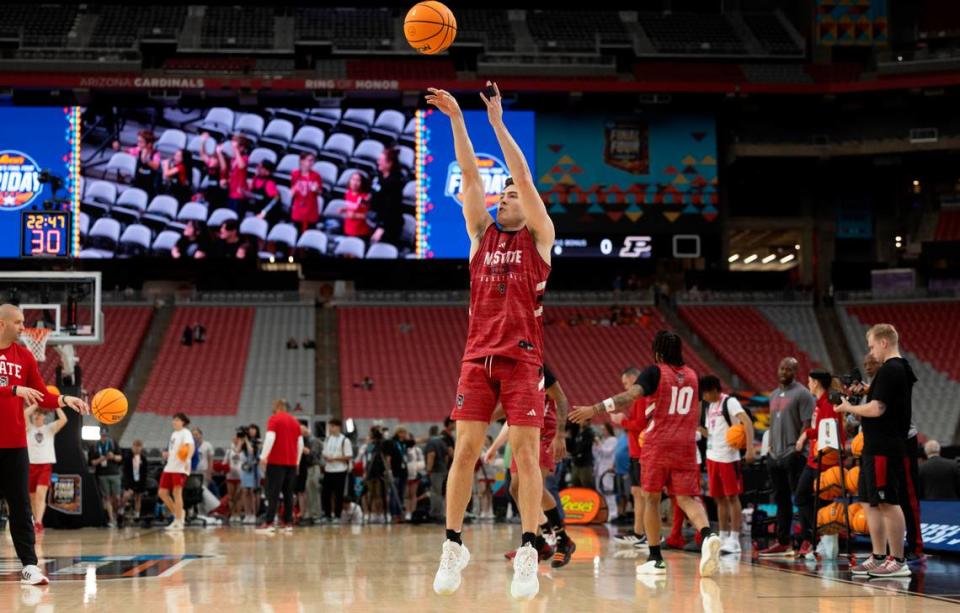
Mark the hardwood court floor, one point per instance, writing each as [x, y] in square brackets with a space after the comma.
[391, 568]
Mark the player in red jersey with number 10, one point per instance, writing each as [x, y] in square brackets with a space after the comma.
[669, 455]
[503, 360]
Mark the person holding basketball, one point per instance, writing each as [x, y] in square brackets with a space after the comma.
[178, 454]
[503, 360]
[20, 382]
[669, 455]
[42, 458]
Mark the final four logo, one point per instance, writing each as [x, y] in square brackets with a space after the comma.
[19, 179]
[493, 174]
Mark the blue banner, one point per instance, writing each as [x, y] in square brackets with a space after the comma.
[940, 525]
[34, 139]
[442, 232]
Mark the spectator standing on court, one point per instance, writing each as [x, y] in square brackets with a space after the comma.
[375, 477]
[305, 188]
[604, 474]
[204, 461]
[234, 460]
[337, 457]
[303, 469]
[791, 409]
[250, 473]
[314, 473]
[886, 419]
[396, 452]
[42, 457]
[582, 473]
[416, 470]
[135, 465]
[939, 477]
[437, 458]
[279, 458]
[106, 459]
[634, 423]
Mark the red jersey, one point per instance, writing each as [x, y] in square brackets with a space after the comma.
[358, 203]
[287, 430]
[18, 367]
[305, 188]
[237, 182]
[507, 281]
[822, 410]
[636, 423]
[670, 439]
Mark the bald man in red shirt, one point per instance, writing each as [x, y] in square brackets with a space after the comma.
[20, 381]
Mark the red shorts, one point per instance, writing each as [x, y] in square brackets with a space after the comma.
[40, 475]
[678, 481]
[546, 455]
[724, 479]
[517, 385]
[169, 481]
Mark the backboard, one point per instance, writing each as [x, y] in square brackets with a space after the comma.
[67, 303]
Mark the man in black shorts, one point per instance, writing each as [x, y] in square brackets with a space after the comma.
[886, 422]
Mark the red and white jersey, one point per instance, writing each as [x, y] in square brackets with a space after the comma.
[670, 438]
[507, 281]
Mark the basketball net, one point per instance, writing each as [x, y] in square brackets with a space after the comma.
[35, 339]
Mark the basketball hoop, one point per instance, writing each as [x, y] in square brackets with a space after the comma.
[35, 339]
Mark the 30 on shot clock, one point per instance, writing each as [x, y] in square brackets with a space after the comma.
[45, 234]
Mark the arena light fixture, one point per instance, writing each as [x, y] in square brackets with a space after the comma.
[769, 258]
[751, 258]
[797, 246]
[787, 258]
[898, 238]
[733, 258]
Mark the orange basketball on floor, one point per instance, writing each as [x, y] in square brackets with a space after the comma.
[830, 519]
[858, 518]
[109, 406]
[430, 27]
[830, 484]
[856, 445]
[737, 436]
[853, 480]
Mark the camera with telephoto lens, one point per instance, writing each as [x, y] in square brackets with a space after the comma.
[853, 378]
[242, 432]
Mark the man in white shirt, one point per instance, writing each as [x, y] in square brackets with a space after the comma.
[205, 461]
[724, 470]
[42, 457]
[178, 455]
[337, 455]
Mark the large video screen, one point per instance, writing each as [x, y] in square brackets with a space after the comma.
[270, 183]
[38, 176]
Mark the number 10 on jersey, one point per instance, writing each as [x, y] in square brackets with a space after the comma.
[681, 399]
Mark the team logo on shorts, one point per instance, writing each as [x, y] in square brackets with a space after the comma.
[19, 179]
[459, 401]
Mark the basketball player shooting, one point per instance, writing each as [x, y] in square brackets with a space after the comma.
[669, 454]
[503, 360]
[20, 382]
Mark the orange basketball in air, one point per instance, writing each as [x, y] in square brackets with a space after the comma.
[430, 27]
[856, 445]
[830, 484]
[737, 436]
[109, 406]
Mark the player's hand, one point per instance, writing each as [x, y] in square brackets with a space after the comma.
[444, 101]
[581, 415]
[29, 395]
[751, 456]
[488, 455]
[801, 442]
[844, 407]
[559, 447]
[77, 404]
[494, 106]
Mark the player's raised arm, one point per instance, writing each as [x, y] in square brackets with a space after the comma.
[535, 212]
[474, 208]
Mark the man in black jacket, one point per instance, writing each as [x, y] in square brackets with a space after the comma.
[939, 477]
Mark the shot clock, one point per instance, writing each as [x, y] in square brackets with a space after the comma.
[45, 234]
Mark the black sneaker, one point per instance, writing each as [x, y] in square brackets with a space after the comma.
[564, 553]
[915, 558]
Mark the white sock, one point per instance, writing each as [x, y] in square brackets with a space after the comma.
[735, 535]
[724, 535]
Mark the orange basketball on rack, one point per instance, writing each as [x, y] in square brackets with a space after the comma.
[830, 484]
[830, 518]
[737, 436]
[858, 518]
[852, 479]
[856, 445]
[109, 406]
[430, 27]
[830, 457]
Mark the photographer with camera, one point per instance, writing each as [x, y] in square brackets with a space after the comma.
[818, 382]
[886, 423]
